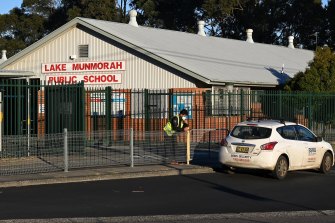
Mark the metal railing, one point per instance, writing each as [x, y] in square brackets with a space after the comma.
[72, 150]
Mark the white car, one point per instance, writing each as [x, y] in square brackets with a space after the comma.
[277, 146]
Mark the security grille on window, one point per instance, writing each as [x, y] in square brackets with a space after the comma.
[83, 51]
[225, 102]
[152, 103]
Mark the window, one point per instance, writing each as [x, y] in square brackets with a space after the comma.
[287, 132]
[83, 51]
[151, 102]
[251, 132]
[228, 102]
[181, 101]
[304, 134]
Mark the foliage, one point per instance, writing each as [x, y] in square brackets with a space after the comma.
[272, 20]
[102, 9]
[174, 14]
[319, 77]
[330, 21]
[18, 30]
[217, 12]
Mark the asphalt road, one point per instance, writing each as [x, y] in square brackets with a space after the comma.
[216, 193]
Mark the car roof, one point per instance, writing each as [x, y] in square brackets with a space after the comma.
[267, 123]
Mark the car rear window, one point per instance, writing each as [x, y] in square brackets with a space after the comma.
[251, 132]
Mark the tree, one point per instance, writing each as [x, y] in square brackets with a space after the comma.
[122, 10]
[274, 20]
[174, 14]
[319, 77]
[304, 20]
[217, 12]
[257, 15]
[67, 10]
[19, 29]
[95, 9]
[330, 18]
[44, 8]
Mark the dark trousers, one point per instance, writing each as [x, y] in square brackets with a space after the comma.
[170, 146]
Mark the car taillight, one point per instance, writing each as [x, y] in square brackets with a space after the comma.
[268, 146]
[224, 142]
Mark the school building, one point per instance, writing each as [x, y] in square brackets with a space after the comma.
[135, 73]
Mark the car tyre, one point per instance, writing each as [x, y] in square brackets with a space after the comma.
[227, 169]
[326, 163]
[281, 168]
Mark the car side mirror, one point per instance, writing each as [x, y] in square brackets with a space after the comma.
[319, 139]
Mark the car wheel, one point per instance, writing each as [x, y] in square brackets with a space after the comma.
[326, 163]
[227, 169]
[281, 168]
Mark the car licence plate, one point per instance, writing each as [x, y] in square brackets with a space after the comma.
[242, 149]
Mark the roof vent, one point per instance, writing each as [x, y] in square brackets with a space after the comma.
[132, 20]
[3, 57]
[290, 42]
[249, 36]
[201, 28]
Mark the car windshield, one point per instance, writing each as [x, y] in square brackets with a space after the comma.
[251, 132]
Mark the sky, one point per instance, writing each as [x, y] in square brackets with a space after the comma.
[7, 5]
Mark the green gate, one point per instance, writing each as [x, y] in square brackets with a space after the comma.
[64, 108]
[17, 104]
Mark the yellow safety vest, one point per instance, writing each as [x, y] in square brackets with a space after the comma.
[168, 127]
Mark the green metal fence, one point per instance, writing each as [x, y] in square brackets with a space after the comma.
[36, 108]
[100, 120]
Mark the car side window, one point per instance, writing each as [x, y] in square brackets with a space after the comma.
[287, 132]
[304, 134]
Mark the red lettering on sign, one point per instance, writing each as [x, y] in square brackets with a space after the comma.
[55, 67]
[98, 66]
[83, 66]
[118, 65]
[62, 79]
[100, 79]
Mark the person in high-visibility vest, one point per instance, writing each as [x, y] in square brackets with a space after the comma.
[175, 125]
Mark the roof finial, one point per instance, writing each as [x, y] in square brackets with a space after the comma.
[3, 57]
[290, 42]
[132, 20]
[201, 28]
[249, 36]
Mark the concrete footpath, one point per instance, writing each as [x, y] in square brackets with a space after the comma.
[106, 173]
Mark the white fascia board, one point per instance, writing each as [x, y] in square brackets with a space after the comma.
[39, 43]
[243, 84]
[16, 74]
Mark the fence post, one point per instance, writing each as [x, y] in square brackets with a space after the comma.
[242, 105]
[229, 111]
[131, 145]
[66, 152]
[280, 105]
[209, 144]
[108, 97]
[28, 116]
[309, 110]
[1, 119]
[146, 110]
[188, 147]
